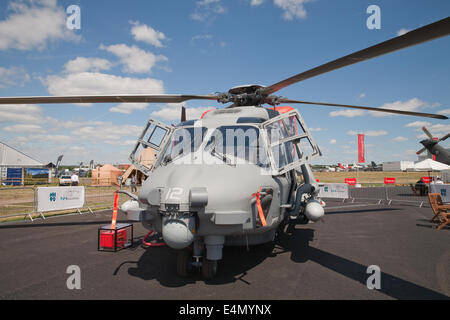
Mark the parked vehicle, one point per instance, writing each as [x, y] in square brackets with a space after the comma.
[65, 180]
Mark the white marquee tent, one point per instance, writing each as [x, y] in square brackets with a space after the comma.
[430, 165]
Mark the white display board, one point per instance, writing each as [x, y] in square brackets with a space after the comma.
[442, 189]
[60, 198]
[334, 190]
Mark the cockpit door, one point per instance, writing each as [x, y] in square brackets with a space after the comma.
[289, 142]
[154, 135]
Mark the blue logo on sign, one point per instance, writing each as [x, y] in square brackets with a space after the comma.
[443, 192]
[53, 196]
[326, 189]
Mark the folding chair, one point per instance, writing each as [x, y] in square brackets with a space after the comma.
[440, 209]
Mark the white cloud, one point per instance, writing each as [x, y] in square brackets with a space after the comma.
[317, 129]
[22, 113]
[207, 10]
[172, 111]
[413, 104]
[256, 2]
[370, 133]
[81, 64]
[127, 108]
[333, 141]
[439, 129]
[445, 111]
[402, 31]
[362, 95]
[32, 24]
[373, 133]
[107, 133]
[292, 8]
[23, 128]
[349, 113]
[13, 76]
[399, 139]
[142, 32]
[91, 83]
[417, 124]
[134, 59]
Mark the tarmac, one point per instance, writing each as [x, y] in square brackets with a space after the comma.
[323, 260]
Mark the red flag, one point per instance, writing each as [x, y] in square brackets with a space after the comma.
[361, 148]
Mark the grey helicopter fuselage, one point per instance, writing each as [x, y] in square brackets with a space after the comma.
[206, 196]
[441, 154]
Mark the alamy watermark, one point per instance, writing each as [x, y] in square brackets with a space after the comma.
[374, 280]
[374, 20]
[74, 280]
[73, 21]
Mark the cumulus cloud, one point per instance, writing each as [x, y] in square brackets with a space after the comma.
[255, 3]
[399, 139]
[292, 8]
[127, 108]
[402, 31]
[417, 124]
[333, 141]
[13, 76]
[142, 32]
[134, 59]
[413, 104]
[369, 133]
[207, 10]
[445, 111]
[172, 111]
[22, 113]
[92, 83]
[108, 133]
[23, 128]
[32, 24]
[81, 64]
[349, 113]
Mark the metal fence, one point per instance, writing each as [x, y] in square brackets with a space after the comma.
[406, 195]
[22, 201]
[83, 181]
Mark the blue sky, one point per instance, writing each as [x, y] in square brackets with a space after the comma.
[199, 47]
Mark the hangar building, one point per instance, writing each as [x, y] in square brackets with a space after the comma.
[16, 166]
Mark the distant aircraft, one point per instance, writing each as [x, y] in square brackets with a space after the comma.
[439, 153]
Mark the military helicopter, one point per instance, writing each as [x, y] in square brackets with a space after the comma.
[232, 176]
[432, 145]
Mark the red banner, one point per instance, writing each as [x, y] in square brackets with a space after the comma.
[426, 179]
[350, 181]
[389, 180]
[361, 148]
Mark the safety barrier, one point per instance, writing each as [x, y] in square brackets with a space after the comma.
[384, 195]
[23, 201]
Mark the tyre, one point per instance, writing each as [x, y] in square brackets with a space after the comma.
[209, 268]
[184, 263]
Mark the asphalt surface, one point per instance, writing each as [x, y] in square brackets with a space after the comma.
[325, 260]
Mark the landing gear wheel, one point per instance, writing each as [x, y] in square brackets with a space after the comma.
[209, 268]
[184, 263]
[302, 219]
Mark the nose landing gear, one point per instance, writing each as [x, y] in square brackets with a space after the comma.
[190, 261]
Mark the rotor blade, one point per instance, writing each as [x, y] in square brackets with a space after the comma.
[444, 137]
[429, 32]
[427, 132]
[421, 150]
[409, 113]
[183, 114]
[158, 98]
